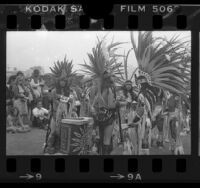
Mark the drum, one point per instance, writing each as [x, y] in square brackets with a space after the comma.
[76, 136]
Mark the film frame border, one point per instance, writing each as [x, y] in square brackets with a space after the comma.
[179, 162]
[106, 23]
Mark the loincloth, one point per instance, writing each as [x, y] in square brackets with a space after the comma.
[105, 116]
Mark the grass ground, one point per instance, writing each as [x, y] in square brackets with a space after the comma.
[31, 143]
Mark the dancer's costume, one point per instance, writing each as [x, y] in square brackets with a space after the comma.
[161, 67]
[128, 99]
[63, 102]
[103, 69]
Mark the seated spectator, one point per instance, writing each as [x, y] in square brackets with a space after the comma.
[9, 92]
[9, 89]
[40, 115]
[15, 123]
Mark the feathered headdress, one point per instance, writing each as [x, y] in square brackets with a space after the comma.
[125, 74]
[63, 70]
[103, 67]
[160, 64]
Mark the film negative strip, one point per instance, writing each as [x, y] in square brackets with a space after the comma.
[99, 95]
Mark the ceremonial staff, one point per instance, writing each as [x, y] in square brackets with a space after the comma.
[48, 132]
[119, 117]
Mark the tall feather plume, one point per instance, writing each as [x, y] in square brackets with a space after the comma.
[161, 61]
[103, 58]
[125, 75]
[64, 69]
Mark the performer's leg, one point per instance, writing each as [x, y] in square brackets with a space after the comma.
[107, 139]
[179, 150]
[139, 141]
[52, 137]
[166, 129]
[172, 127]
[160, 133]
[133, 138]
[187, 124]
[57, 139]
[101, 138]
[145, 141]
[108, 134]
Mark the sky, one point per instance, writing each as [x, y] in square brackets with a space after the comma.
[42, 48]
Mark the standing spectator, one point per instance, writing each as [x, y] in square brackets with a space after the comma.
[37, 83]
[30, 101]
[21, 97]
[9, 92]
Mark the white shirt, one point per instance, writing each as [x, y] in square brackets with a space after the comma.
[36, 87]
[40, 112]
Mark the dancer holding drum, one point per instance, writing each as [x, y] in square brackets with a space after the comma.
[63, 102]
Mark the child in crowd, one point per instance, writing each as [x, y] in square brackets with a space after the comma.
[15, 123]
[40, 115]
